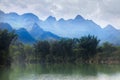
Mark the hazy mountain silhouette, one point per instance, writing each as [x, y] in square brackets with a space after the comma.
[39, 34]
[24, 36]
[111, 34]
[6, 26]
[71, 28]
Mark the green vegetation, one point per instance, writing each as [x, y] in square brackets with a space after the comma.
[83, 50]
[61, 51]
[109, 54]
[66, 50]
[5, 40]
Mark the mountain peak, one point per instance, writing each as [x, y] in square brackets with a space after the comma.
[6, 26]
[36, 30]
[110, 27]
[39, 33]
[36, 27]
[51, 18]
[28, 14]
[22, 29]
[24, 36]
[1, 12]
[61, 20]
[31, 16]
[13, 13]
[79, 17]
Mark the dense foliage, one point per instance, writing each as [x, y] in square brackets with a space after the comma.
[5, 40]
[84, 50]
[65, 50]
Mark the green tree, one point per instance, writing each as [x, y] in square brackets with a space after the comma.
[5, 40]
[18, 52]
[67, 49]
[88, 46]
[29, 53]
[41, 50]
[108, 48]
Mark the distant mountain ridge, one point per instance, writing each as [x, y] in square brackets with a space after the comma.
[30, 37]
[6, 26]
[39, 34]
[51, 28]
[24, 36]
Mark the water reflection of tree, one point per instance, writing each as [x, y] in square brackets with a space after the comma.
[68, 69]
[4, 74]
[87, 70]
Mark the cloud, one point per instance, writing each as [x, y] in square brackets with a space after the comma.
[102, 12]
[109, 12]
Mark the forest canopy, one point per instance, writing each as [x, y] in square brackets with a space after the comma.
[77, 50]
[5, 41]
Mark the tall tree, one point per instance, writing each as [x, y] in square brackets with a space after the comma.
[88, 46]
[42, 50]
[5, 40]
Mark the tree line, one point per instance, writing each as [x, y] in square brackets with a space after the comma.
[5, 41]
[78, 50]
[67, 50]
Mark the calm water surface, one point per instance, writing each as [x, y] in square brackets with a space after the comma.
[61, 72]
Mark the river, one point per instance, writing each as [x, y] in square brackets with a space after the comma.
[61, 72]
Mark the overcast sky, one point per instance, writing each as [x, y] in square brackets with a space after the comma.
[102, 12]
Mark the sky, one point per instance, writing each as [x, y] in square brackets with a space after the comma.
[103, 12]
